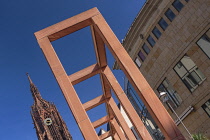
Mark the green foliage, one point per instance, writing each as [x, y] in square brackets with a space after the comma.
[199, 136]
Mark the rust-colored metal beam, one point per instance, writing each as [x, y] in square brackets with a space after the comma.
[105, 135]
[103, 35]
[101, 58]
[115, 136]
[133, 116]
[68, 26]
[99, 48]
[84, 74]
[100, 52]
[143, 89]
[118, 130]
[101, 121]
[121, 119]
[67, 88]
[94, 102]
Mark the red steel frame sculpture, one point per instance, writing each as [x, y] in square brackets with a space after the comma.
[103, 35]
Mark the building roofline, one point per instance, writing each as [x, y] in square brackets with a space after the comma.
[144, 14]
[132, 24]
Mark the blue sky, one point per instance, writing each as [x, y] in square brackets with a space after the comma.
[20, 53]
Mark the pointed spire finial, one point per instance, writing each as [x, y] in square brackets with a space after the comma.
[35, 93]
[30, 81]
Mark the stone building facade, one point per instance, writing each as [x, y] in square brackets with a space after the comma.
[169, 41]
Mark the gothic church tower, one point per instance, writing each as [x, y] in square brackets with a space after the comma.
[47, 121]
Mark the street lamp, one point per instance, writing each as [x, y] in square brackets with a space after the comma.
[164, 98]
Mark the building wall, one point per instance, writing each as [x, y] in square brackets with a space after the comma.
[176, 41]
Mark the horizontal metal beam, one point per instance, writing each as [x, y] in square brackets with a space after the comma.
[101, 121]
[94, 102]
[84, 74]
[105, 135]
[68, 26]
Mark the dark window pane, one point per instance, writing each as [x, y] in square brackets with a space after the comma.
[178, 5]
[188, 85]
[161, 88]
[146, 49]
[156, 32]
[191, 80]
[196, 77]
[204, 43]
[187, 0]
[206, 107]
[151, 41]
[170, 15]
[163, 24]
[141, 55]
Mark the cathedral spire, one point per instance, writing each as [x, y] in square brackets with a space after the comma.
[35, 92]
[48, 123]
[29, 79]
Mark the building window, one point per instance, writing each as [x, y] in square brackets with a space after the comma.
[174, 98]
[163, 24]
[204, 43]
[187, 0]
[146, 49]
[143, 113]
[151, 41]
[189, 73]
[170, 14]
[156, 32]
[137, 61]
[178, 5]
[142, 56]
[206, 107]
